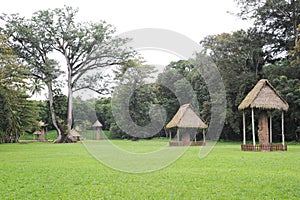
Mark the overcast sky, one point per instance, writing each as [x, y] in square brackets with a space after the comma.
[193, 18]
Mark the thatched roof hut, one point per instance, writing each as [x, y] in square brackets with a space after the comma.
[264, 96]
[37, 133]
[97, 124]
[75, 134]
[42, 124]
[186, 118]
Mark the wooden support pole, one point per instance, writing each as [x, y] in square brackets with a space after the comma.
[271, 131]
[203, 132]
[178, 134]
[170, 135]
[244, 127]
[253, 128]
[282, 127]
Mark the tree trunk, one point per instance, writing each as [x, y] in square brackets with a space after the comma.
[70, 99]
[53, 114]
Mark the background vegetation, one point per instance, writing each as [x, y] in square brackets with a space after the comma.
[269, 49]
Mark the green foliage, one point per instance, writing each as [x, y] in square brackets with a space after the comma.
[30, 172]
[103, 112]
[84, 113]
[134, 93]
[239, 58]
[284, 76]
[276, 21]
[183, 80]
[18, 114]
[86, 47]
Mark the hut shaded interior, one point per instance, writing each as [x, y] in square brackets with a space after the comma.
[263, 97]
[187, 123]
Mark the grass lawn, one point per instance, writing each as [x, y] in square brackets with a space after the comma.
[68, 171]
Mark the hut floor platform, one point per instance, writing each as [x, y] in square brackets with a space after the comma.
[269, 147]
[184, 143]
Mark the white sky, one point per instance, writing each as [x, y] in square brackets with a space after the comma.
[192, 18]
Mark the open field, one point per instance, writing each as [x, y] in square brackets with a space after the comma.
[68, 171]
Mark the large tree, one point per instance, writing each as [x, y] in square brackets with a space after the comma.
[33, 45]
[239, 57]
[133, 99]
[87, 48]
[276, 20]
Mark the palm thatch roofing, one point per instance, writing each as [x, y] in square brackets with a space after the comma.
[97, 124]
[74, 133]
[42, 124]
[186, 118]
[263, 96]
[37, 133]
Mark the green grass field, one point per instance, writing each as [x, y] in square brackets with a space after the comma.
[68, 171]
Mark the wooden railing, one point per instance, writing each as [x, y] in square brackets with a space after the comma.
[269, 147]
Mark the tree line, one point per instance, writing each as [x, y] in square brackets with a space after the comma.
[269, 49]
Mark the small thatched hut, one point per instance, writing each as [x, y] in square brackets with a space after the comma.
[263, 97]
[75, 135]
[43, 126]
[37, 135]
[184, 120]
[99, 126]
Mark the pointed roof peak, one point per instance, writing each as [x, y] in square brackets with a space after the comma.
[263, 96]
[186, 118]
[97, 124]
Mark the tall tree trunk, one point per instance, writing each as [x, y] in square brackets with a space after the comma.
[70, 100]
[53, 114]
[70, 107]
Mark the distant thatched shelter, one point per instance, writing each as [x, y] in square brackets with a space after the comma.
[263, 97]
[184, 120]
[37, 135]
[42, 126]
[99, 126]
[75, 135]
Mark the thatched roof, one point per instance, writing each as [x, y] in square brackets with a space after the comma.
[74, 133]
[37, 133]
[263, 96]
[97, 124]
[186, 118]
[42, 124]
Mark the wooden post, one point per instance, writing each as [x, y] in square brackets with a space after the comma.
[170, 135]
[204, 139]
[244, 127]
[253, 128]
[177, 134]
[271, 139]
[282, 128]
